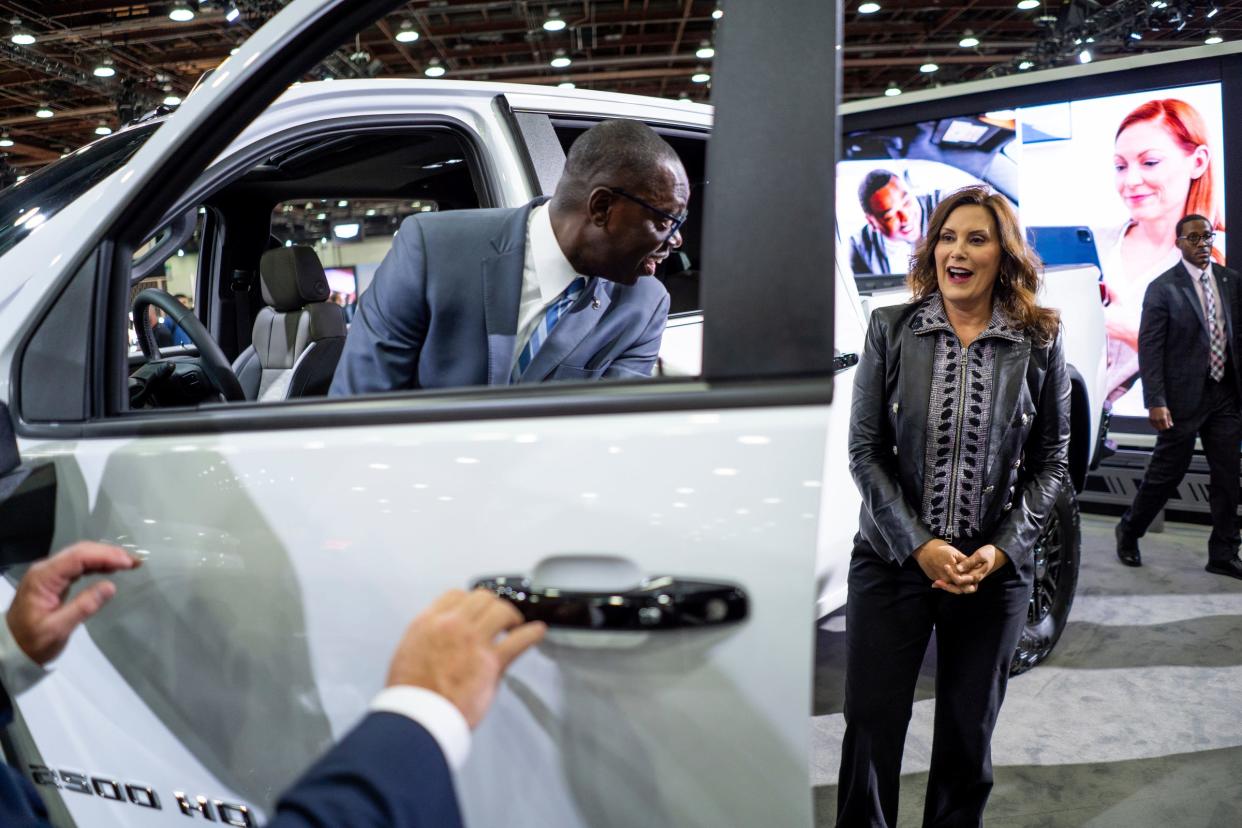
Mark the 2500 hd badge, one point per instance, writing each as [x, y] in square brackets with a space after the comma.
[142, 796]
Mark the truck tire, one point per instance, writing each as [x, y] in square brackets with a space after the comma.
[1056, 580]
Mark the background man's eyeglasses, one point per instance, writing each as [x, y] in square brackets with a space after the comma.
[677, 221]
[1195, 238]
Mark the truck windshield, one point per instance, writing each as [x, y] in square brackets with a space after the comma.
[29, 203]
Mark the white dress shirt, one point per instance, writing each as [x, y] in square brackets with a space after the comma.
[438, 715]
[18, 671]
[545, 275]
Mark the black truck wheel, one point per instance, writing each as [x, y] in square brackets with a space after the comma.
[1056, 580]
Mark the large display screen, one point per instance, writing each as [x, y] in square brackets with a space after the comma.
[1097, 182]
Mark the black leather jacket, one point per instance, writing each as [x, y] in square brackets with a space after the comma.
[1029, 438]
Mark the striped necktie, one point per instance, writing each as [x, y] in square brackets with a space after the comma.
[1216, 336]
[554, 312]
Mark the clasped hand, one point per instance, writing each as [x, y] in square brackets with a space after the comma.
[952, 570]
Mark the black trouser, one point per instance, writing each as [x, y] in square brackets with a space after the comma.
[1219, 426]
[889, 619]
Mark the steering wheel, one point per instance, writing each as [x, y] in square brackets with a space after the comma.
[211, 359]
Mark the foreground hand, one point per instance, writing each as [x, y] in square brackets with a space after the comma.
[453, 649]
[40, 618]
[986, 560]
[1160, 417]
[939, 561]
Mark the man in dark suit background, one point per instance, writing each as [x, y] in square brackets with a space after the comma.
[1191, 386]
[553, 290]
[394, 769]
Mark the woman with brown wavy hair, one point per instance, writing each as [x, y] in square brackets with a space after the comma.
[958, 444]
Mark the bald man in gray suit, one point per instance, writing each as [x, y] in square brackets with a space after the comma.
[553, 290]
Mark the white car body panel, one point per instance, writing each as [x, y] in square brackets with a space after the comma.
[280, 569]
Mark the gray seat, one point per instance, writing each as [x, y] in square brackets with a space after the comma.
[297, 339]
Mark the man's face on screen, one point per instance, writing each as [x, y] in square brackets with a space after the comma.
[895, 212]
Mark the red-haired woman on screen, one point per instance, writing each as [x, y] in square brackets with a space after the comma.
[1164, 170]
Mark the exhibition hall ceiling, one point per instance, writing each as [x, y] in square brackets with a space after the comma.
[72, 69]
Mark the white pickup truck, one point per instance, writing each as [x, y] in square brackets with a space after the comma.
[287, 543]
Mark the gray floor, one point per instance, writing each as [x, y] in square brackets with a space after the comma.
[1135, 720]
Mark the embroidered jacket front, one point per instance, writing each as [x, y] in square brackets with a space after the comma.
[959, 415]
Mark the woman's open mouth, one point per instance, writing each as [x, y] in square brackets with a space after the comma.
[958, 275]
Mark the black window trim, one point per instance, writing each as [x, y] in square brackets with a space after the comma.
[482, 403]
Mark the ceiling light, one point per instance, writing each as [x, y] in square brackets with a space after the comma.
[172, 100]
[407, 33]
[700, 77]
[103, 129]
[554, 23]
[434, 69]
[105, 69]
[1159, 4]
[1212, 13]
[1027, 5]
[928, 68]
[1213, 38]
[869, 8]
[566, 85]
[44, 112]
[6, 140]
[1084, 56]
[717, 14]
[560, 60]
[1135, 36]
[20, 36]
[968, 41]
[1024, 65]
[232, 15]
[892, 91]
[181, 12]
[705, 51]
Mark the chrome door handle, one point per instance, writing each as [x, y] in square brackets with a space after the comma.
[663, 603]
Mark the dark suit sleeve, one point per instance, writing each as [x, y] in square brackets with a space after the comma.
[639, 359]
[20, 805]
[1046, 460]
[871, 453]
[390, 323]
[388, 772]
[1153, 331]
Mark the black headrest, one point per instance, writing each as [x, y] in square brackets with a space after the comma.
[292, 277]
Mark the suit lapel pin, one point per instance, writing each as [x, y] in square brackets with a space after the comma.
[595, 304]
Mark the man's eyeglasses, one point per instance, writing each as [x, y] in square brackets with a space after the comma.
[1196, 239]
[675, 221]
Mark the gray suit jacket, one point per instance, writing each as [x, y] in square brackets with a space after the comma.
[442, 312]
